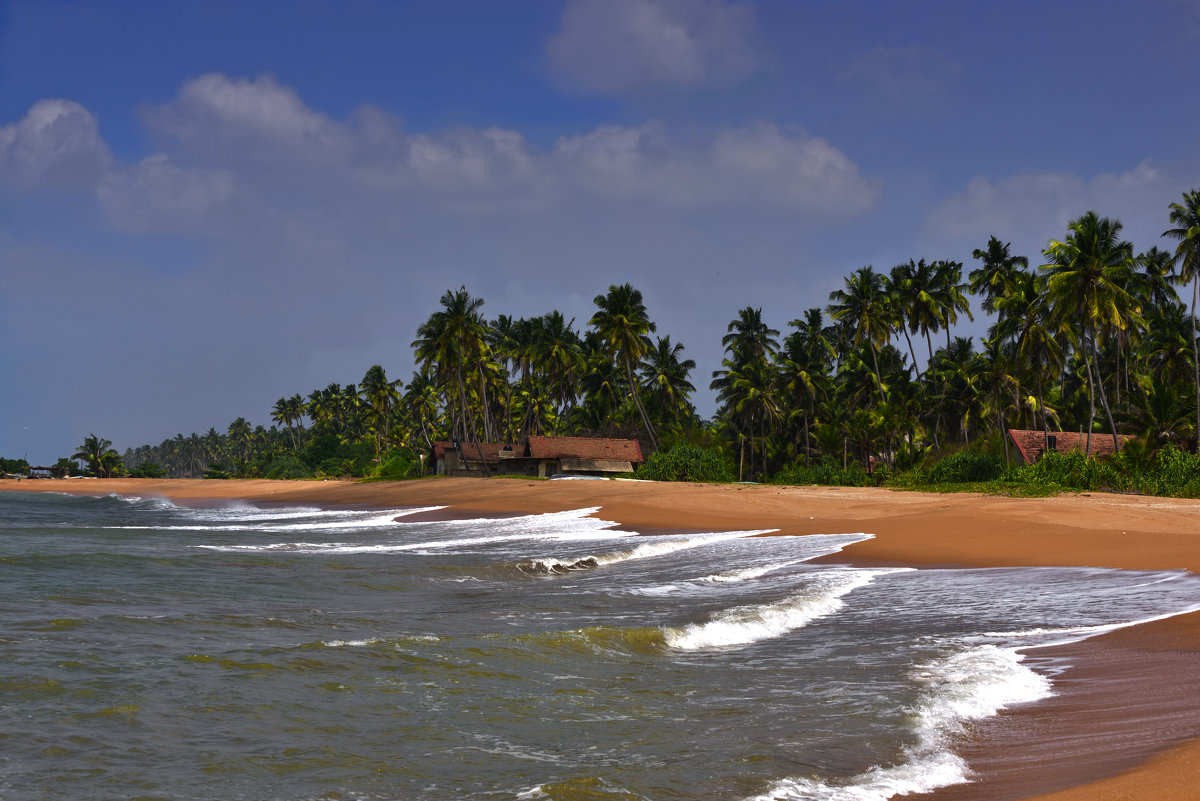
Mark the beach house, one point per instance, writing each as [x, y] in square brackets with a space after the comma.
[1032, 445]
[539, 456]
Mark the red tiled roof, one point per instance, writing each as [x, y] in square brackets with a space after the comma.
[1032, 444]
[624, 450]
[491, 450]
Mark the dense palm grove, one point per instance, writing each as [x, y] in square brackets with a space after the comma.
[1092, 338]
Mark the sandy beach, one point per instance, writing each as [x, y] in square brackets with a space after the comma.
[1125, 723]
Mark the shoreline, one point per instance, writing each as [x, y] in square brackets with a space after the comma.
[1125, 720]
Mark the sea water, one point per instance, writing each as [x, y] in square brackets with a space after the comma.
[149, 650]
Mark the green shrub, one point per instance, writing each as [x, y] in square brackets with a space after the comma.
[827, 472]
[148, 470]
[966, 466]
[287, 466]
[686, 462]
[216, 470]
[401, 465]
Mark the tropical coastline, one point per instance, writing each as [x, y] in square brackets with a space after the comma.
[1111, 732]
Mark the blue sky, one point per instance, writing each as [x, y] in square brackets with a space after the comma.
[207, 206]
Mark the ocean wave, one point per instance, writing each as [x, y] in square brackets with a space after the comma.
[743, 625]
[969, 684]
[667, 545]
[358, 520]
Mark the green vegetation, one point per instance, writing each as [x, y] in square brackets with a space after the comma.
[686, 462]
[875, 388]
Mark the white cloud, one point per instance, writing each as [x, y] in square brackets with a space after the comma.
[910, 77]
[372, 159]
[57, 143]
[615, 46]
[759, 165]
[157, 196]
[1034, 207]
[258, 117]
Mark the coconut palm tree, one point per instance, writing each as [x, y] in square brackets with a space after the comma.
[749, 338]
[665, 379]
[910, 300]
[381, 397]
[93, 451]
[556, 356]
[950, 293]
[1087, 275]
[998, 266]
[624, 328]
[1185, 217]
[865, 308]
[1024, 319]
[455, 337]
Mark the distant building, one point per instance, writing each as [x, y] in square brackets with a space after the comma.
[539, 456]
[1033, 444]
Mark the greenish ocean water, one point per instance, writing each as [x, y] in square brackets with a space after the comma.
[149, 650]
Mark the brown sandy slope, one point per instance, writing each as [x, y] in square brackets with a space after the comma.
[1125, 722]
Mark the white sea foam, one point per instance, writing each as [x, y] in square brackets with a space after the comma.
[244, 519]
[659, 547]
[749, 573]
[573, 525]
[743, 625]
[967, 685]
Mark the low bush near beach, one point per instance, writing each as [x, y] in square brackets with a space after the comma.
[966, 466]
[287, 466]
[828, 472]
[402, 465]
[686, 462]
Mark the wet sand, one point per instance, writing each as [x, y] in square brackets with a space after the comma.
[1125, 723]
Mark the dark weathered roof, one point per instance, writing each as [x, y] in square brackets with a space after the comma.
[621, 450]
[491, 450]
[1032, 444]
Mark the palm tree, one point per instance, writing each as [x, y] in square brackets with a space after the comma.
[421, 401]
[950, 293]
[381, 396]
[665, 379]
[624, 328]
[93, 451]
[240, 434]
[749, 338]
[456, 336]
[1024, 320]
[864, 307]
[900, 285]
[1088, 272]
[556, 355]
[288, 412]
[997, 270]
[1185, 217]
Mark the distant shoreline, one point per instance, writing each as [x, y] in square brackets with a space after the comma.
[1129, 706]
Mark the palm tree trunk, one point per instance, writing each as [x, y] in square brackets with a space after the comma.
[807, 448]
[878, 376]
[741, 456]
[1112, 427]
[462, 395]
[912, 351]
[1196, 358]
[637, 401]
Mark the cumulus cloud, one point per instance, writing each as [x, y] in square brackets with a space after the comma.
[1034, 207]
[216, 115]
[57, 143]
[158, 196]
[906, 78]
[758, 165]
[372, 156]
[616, 46]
